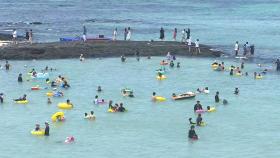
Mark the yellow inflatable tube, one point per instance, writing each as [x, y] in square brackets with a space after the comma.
[212, 109]
[49, 94]
[38, 133]
[22, 102]
[65, 106]
[57, 114]
[238, 74]
[111, 110]
[202, 124]
[159, 98]
[162, 77]
[259, 77]
[214, 66]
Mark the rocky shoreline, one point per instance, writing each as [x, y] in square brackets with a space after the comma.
[97, 49]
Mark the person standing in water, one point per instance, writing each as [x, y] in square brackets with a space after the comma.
[7, 65]
[192, 133]
[175, 34]
[47, 129]
[197, 49]
[217, 98]
[26, 35]
[236, 48]
[252, 49]
[236, 91]
[128, 34]
[161, 36]
[242, 65]
[1, 97]
[115, 33]
[20, 77]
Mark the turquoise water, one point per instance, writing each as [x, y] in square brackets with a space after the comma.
[246, 127]
[215, 22]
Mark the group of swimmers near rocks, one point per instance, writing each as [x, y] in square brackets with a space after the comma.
[62, 83]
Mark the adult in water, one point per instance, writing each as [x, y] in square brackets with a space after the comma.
[21, 98]
[178, 64]
[192, 134]
[95, 99]
[37, 127]
[47, 129]
[91, 115]
[110, 104]
[20, 77]
[236, 91]
[231, 72]
[121, 108]
[7, 65]
[197, 106]
[1, 97]
[123, 58]
[171, 64]
[277, 65]
[154, 96]
[217, 99]
[99, 89]
[161, 36]
[199, 120]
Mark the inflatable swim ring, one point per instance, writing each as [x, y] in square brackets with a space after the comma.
[163, 63]
[259, 77]
[38, 133]
[111, 110]
[57, 94]
[212, 109]
[42, 75]
[22, 102]
[215, 66]
[162, 77]
[69, 139]
[159, 98]
[49, 94]
[238, 74]
[35, 88]
[57, 114]
[202, 124]
[200, 111]
[64, 106]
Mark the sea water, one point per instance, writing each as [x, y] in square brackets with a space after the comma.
[246, 127]
[217, 22]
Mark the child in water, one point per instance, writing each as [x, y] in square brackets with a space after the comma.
[49, 101]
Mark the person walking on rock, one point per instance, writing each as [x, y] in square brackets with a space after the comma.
[197, 49]
[175, 34]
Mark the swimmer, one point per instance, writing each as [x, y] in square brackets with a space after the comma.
[110, 104]
[69, 139]
[49, 101]
[99, 89]
[47, 129]
[95, 100]
[217, 98]
[53, 84]
[173, 95]
[21, 98]
[171, 64]
[92, 116]
[192, 134]
[37, 127]
[255, 75]
[68, 102]
[86, 116]
[242, 65]
[199, 120]
[197, 106]
[190, 121]
[123, 58]
[206, 90]
[178, 65]
[236, 91]
[246, 74]
[20, 77]
[1, 97]
[82, 57]
[208, 108]
[121, 108]
[225, 102]
[154, 96]
[231, 72]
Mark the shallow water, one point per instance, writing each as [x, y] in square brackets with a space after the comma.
[246, 127]
[215, 22]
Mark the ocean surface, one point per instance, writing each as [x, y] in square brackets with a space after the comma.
[247, 127]
[217, 22]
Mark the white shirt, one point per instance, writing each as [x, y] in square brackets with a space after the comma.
[196, 44]
[190, 42]
[236, 47]
[15, 34]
